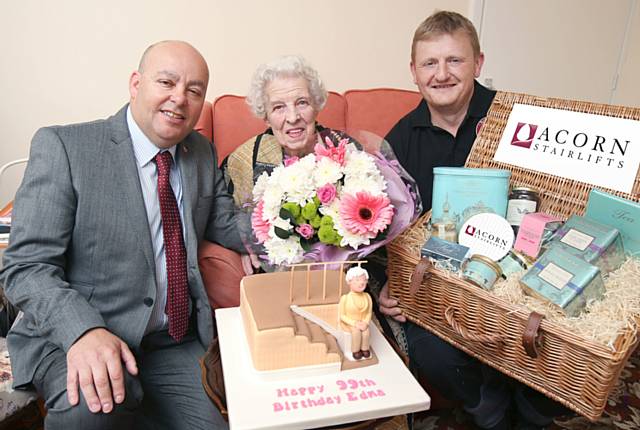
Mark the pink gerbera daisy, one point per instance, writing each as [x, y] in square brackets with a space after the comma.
[365, 213]
[260, 226]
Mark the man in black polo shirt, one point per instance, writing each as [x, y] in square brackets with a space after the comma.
[423, 140]
[445, 60]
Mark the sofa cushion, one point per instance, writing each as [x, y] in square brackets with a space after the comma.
[204, 125]
[377, 110]
[333, 114]
[234, 123]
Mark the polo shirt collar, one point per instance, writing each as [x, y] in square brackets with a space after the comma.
[480, 101]
[421, 116]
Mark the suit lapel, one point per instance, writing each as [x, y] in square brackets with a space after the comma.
[129, 183]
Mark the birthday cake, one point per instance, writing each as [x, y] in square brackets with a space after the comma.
[289, 318]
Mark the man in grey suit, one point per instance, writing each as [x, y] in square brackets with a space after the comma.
[102, 257]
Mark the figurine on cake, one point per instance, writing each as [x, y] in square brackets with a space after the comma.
[355, 312]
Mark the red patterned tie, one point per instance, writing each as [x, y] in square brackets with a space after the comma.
[177, 308]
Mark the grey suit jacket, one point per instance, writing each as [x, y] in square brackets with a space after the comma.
[80, 253]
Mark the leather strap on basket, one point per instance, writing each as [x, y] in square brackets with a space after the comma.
[467, 334]
[531, 339]
[418, 275]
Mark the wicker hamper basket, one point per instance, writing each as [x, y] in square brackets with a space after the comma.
[577, 372]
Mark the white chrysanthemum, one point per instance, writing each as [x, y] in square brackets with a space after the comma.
[326, 171]
[284, 251]
[300, 195]
[260, 186]
[296, 182]
[272, 197]
[375, 185]
[333, 210]
[359, 163]
[307, 162]
[274, 176]
[352, 240]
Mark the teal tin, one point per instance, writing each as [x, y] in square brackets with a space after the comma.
[596, 243]
[461, 192]
[514, 262]
[617, 212]
[481, 271]
[564, 280]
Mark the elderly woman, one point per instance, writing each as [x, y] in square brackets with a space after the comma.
[287, 94]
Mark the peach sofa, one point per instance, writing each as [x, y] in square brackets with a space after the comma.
[229, 123]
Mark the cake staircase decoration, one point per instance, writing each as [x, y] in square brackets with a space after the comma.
[340, 337]
[281, 338]
[316, 333]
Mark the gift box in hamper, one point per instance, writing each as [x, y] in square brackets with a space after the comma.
[562, 149]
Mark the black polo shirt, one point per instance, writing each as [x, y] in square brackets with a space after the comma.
[420, 146]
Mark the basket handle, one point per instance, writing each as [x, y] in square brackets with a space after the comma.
[418, 275]
[531, 338]
[449, 314]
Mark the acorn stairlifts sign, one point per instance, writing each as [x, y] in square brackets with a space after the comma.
[595, 149]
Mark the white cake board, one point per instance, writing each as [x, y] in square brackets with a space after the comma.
[385, 389]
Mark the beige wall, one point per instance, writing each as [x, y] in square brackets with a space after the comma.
[627, 90]
[69, 60]
[568, 49]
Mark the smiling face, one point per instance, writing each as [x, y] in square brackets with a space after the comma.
[168, 91]
[291, 115]
[358, 284]
[444, 69]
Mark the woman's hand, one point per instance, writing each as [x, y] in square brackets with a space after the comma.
[249, 263]
[362, 326]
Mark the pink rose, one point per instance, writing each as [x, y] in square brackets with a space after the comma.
[288, 161]
[305, 230]
[326, 193]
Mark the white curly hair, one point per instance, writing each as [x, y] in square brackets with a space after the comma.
[354, 272]
[284, 67]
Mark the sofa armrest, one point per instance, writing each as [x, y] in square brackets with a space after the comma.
[221, 271]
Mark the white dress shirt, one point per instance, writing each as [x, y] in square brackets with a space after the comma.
[145, 151]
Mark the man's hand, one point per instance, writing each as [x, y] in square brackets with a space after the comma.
[389, 306]
[95, 363]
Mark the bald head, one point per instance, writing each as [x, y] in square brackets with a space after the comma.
[168, 91]
[170, 44]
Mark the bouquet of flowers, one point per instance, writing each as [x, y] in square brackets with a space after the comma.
[330, 204]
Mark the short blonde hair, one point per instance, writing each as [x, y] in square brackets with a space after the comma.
[445, 22]
[354, 272]
[284, 67]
